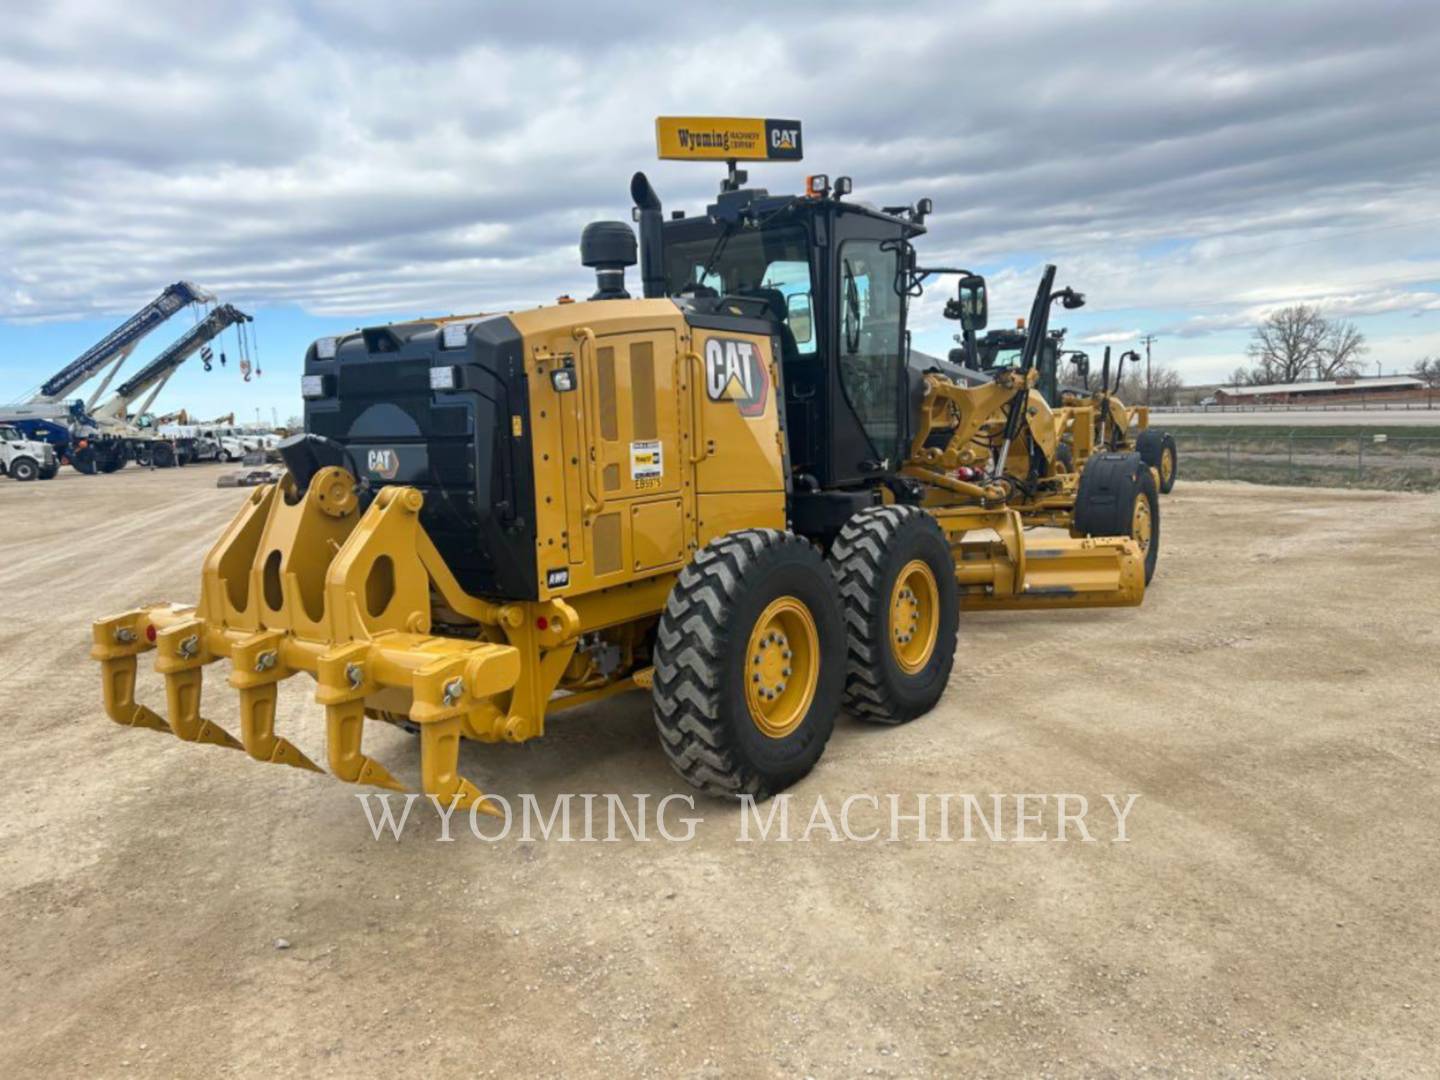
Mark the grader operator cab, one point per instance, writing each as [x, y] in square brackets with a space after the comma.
[732, 492]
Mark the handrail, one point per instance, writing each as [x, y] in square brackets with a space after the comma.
[590, 406]
[700, 449]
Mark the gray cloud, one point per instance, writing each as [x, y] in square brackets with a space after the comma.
[1205, 159]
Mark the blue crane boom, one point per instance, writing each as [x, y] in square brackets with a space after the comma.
[115, 346]
[153, 376]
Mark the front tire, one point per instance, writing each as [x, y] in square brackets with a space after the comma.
[24, 469]
[1157, 449]
[749, 664]
[1118, 497]
[901, 603]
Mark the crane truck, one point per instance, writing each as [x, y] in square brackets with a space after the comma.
[114, 415]
[53, 414]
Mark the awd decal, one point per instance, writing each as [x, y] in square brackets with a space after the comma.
[383, 463]
[557, 579]
[735, 371]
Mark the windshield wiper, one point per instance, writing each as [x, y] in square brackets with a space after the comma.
[715, 253]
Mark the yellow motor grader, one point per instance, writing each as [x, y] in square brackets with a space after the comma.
[987, 432]
[1121, 428]
[732, 491]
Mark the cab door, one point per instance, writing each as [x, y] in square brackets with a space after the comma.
[867, 351]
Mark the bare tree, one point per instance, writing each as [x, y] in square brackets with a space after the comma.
[1340, 351]
[1165, 385]
[1298, 341]
[1290, 342]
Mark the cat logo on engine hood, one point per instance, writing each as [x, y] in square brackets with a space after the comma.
[735, 371]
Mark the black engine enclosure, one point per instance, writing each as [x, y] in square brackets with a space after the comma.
[467, 449]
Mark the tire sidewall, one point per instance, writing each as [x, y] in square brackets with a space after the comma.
[1168, 447]
[779, 573]
[24, 469]
[1146, 489]
[916, 693]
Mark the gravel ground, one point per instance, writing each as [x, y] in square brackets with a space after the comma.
[176, 910]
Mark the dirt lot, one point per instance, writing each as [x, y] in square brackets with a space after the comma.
[1274, 912]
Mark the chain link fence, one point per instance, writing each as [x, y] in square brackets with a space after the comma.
[1359, 459]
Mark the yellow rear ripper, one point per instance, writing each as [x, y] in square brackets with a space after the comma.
[719, 491]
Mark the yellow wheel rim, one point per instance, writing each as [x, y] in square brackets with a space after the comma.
[1141, 523]
[1167, 466]
[782, 667]
[914, 622]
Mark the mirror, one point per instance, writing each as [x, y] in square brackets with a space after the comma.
[798, 315]
[973, 302]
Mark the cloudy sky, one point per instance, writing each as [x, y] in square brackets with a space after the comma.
[339, 162]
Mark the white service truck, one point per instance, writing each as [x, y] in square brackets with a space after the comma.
[26, 459]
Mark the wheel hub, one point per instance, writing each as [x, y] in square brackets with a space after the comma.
[782, 667]
[914, 621]
[1140, 523]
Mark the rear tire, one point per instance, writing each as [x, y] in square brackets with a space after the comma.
[24, 469]
[754, 614]
[1157, 449]
[83, 461]
[1118, 497]
[162, 456]
[901, 604]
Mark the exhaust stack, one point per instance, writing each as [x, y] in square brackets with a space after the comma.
[652, 247]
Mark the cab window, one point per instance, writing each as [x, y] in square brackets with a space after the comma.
[871, 319]
[771, 263]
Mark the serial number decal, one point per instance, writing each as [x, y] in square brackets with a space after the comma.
[647, 464]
